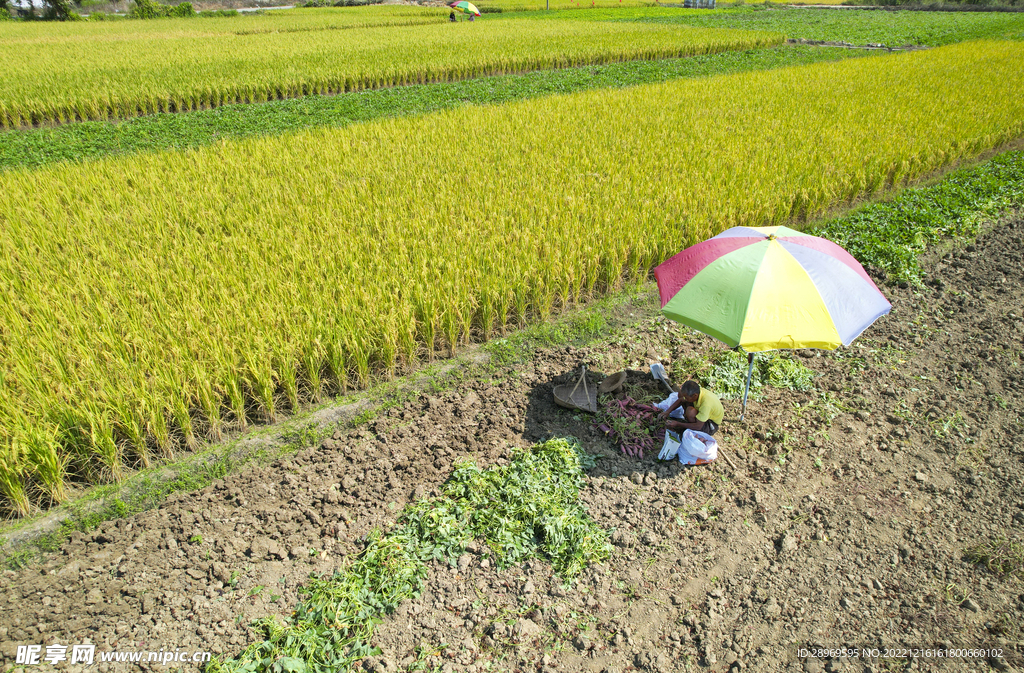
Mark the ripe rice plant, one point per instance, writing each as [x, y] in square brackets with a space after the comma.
[147, 301]
[103, 71]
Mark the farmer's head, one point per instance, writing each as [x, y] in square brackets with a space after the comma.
[689, 391]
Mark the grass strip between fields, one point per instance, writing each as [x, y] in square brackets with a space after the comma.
[94, 140]
[528, 508]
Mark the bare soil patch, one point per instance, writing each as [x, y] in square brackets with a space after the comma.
[845, 522]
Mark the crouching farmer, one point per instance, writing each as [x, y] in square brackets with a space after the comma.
[702, 410]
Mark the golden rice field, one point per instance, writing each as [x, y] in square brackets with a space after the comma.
[149, 301]
[104, 70]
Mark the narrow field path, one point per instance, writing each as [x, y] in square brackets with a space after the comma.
[847, 45]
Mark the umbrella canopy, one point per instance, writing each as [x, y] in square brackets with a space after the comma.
[765, 288]
[467, 7]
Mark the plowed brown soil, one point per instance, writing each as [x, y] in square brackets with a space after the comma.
[831, 531]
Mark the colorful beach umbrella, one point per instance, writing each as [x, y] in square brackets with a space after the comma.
[465, 7]
[768, 288]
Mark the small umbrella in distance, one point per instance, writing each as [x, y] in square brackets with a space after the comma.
[465, 7]
[768, 288]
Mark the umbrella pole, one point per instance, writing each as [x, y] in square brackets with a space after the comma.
[746, 390]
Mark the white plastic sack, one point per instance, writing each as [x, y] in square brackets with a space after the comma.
[697, 448]
[668, 402]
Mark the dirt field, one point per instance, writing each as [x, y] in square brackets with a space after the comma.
[844, 522]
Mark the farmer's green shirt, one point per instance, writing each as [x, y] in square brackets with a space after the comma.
[709, 407]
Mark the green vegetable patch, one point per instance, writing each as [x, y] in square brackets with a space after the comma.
[528, 508]
[725, 373]
[890, 236]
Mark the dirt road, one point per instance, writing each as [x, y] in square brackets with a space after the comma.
[845, 523]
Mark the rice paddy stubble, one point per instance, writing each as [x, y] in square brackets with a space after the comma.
[249, 274]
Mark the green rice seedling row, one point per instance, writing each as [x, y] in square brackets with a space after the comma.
[152, 300]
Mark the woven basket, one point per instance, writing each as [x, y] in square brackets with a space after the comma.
[581, 395]
[612, 382]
